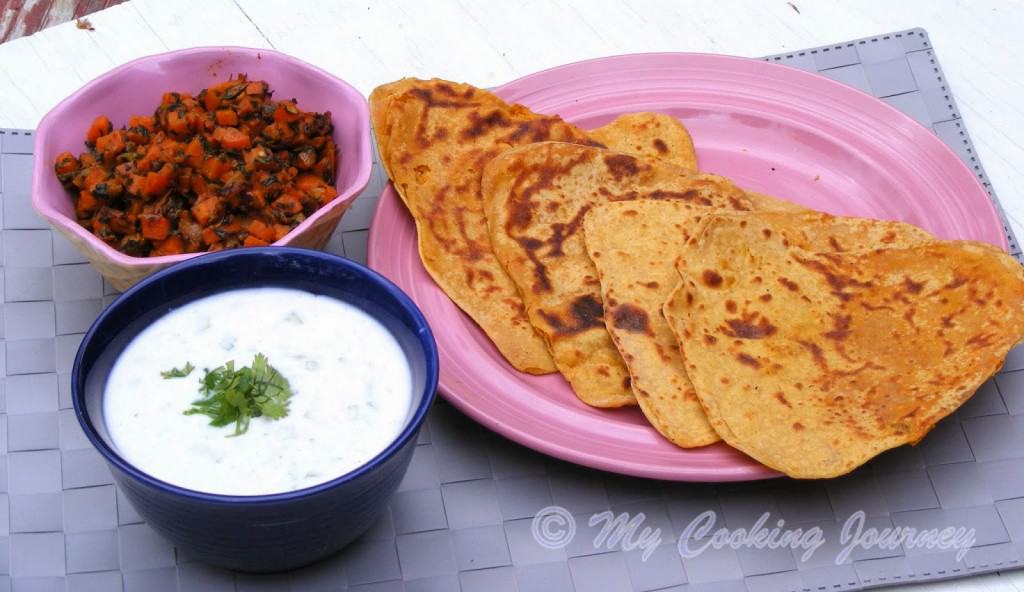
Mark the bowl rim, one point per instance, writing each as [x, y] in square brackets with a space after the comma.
[421, 328]
[53, 116]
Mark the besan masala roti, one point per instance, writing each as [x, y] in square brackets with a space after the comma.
[434, 138]
[536, 197]
[814, 362]
[634, 245]
[650, 135]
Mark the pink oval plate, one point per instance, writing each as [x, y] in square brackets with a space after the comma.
[770, 128]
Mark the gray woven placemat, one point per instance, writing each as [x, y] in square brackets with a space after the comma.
[464, 514]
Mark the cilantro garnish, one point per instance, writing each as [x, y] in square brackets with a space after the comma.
[236, 396]
[179, 372]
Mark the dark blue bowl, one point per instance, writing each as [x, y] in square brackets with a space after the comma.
[258, 532]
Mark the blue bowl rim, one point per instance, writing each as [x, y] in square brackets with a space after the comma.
[381, 282]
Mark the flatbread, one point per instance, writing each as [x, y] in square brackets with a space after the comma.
[810, 230]
[807, 230]
[649, 135]
[813, 363]
[764, 201]
[633, 245]
[434, 137]
[535, 197]
[663, 137]
[380, 111]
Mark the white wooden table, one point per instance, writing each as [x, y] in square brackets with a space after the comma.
[488, 43]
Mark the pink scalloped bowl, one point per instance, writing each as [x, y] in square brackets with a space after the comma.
[136, 88]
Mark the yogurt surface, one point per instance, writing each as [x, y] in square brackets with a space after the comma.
[351, 392]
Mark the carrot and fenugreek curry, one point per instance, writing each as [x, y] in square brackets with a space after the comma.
[229, 167]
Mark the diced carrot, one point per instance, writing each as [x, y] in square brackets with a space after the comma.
[305, 159]
[252, 126]
[210, 236]
[100, 127]
[329, 193]
[227, 117]
[172, 151]
[278, 132]
[328, 164]
[190, 230]
[136, 135]
[152, 155]
[183, 178]
[207, 123]
[93, 176]
[87, 159]
[215, 168]
[177, 123]
[231, 138]
[210, 100]
[134, 209]
[194, 153]
[119, 222]
[257, 198]
[234, 226]
[260, 230]
[86, 204]
[257, 88]
[205, 209]
[252, 241]
[307, 182]
[109, 145]
[155, 226]
[288, 203]
[256, 227]
[286, 112]
[137, 185]
[280, 230]
[198, 184]
[65, 163]
[223, 86]
[257, 158]
[100, 229]
[247, 105]
[158, 182]
[234, 182]
[144, 121]
[194, 121]
[172, 245]
[315, 187]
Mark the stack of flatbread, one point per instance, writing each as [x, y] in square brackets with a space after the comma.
[808, 341]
